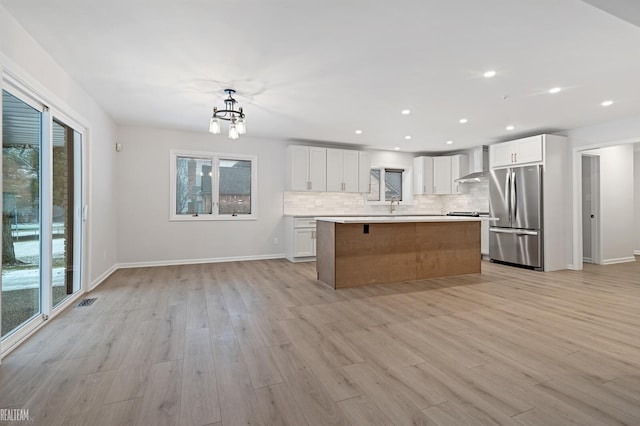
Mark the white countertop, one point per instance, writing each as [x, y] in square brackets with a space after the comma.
[392, 219]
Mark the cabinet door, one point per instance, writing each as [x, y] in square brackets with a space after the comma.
[500, 154]
[484, 237]
[304, 243]
[318, 169]
[442, 175]
[528, 150]
[299, 168]
[349, 171]
[334, 170]
[423, 175]
[459, 168]
[364, 172]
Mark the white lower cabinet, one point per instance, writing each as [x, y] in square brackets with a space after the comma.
[484, 237]
[304, 243]
[300, 233]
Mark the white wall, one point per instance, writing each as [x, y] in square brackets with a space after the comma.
[616, 202]
[23, 57]
[602, 134]
[636, 190]
[145, 234]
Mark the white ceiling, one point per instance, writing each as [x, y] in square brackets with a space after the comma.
[319, 70]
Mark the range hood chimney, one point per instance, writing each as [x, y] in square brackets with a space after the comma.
[478, 165]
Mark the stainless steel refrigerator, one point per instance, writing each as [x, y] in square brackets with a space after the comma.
[515, 200]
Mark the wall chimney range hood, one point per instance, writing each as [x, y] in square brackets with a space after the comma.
[478, 165]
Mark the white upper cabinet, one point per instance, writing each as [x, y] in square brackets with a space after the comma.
[423, 175]
[364, 172]
[459, 168]
[437, 175]
[342, 170]
[520, 151]
[442, 175]
[307, 168]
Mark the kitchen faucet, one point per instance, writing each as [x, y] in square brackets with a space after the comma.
[392, 208]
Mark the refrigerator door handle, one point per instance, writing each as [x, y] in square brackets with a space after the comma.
[514, 183]
[507, 191]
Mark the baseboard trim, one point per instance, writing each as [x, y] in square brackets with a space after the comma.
[636, 252]
[618, 260]
[106, 274]
[197, 261]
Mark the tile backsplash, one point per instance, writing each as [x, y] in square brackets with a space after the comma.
[339, 203]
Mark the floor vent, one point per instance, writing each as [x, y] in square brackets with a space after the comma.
[86, 302]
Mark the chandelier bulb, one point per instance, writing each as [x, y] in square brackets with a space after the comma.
[233, 131]
[241, 126]
[214, 126]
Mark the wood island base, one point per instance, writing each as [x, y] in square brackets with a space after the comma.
[358, 254]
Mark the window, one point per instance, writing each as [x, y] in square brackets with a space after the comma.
[211, 186]
[392, 187]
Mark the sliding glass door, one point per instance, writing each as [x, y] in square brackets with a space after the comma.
[21, 246]
[66, 211]
[42, 213]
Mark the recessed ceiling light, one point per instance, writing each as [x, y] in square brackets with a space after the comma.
[489, 74]
[510, 127]
[555, 90]
[397, 148]
[358, 132]
[407, 137]
[607, 103]
[449, 142]
[463, 121]
[405, 112]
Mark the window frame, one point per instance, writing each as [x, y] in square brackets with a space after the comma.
[406, 184]
[215, 188]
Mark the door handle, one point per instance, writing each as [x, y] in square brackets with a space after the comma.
[514, 182]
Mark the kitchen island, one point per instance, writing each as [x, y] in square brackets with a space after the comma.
[357, 251]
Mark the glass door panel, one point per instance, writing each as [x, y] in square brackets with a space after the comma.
[65, 212]
[21, 239]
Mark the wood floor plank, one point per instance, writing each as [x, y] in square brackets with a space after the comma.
[86, 399]
[262, 369]
[131, 377]
[324, 358]
[123, 413]
[360, 411]
[169, 343]
[279, 407]
[199, 392]
[238, 404]
[392, 403]
[161, 400]
[316, 404]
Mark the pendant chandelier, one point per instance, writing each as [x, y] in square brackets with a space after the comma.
[235, 117]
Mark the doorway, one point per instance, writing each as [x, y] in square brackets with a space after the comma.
[591, 252]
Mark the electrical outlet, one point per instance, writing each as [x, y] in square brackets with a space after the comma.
[275, 241]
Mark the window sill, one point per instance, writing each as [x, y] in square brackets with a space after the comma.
[208, 217]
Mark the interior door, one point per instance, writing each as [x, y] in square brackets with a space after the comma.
[590, 211]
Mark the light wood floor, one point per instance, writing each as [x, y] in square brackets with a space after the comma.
[262, 343]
